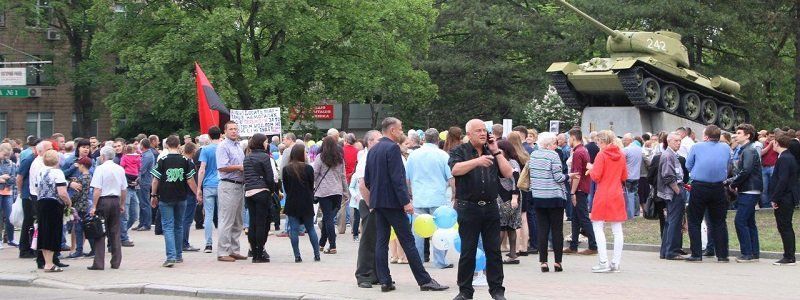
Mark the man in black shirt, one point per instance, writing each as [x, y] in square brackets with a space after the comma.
[477, 166]
[171, 183]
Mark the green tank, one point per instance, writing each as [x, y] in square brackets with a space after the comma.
[649, 70]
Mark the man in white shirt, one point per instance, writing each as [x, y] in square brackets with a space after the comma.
[687, 141]
[110, 189]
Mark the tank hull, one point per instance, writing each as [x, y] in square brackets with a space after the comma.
[646, 83]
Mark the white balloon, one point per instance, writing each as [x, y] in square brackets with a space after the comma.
[442, 239]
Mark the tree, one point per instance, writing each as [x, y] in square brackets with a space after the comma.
[266, 53]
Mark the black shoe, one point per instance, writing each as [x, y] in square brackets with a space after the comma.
[557, 267]
[498, 297]
[265, 255]
[432, 286]
[533, 251]
[27, 255]
[677, 257]
[260, 260]
[694, 259]
[462, 297]
[427, 259]
[93, 268]
[61, 265]
[387, 287]
[450, 266]
[298, 259]
[249, 253]
[365, 285]
[522, 253]
[709, 253]
[723, 260]
[90, 254]
[681, 252]
[785, 262]
[316, 258]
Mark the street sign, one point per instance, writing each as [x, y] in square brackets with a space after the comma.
[12, 76]
[8, 92]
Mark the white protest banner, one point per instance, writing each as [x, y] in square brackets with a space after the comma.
[12, 76]
[507, 123]
[266, 121]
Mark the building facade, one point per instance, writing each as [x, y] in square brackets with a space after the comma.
[44, 105]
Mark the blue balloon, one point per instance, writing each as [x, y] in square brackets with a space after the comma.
[457, 244]
[480, 261]
[276, 155]
[445, 217]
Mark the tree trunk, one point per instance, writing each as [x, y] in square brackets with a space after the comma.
[345, 116]
[797, 60]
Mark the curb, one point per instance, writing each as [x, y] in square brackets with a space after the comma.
[157, 289]
[731, 253]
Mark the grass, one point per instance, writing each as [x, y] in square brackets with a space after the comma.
[643, 231]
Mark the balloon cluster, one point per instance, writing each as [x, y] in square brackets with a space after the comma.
[442, 228]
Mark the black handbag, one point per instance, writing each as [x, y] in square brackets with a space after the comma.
[649, 209]
[94, 227]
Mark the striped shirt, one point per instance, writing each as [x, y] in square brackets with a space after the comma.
[547, 177]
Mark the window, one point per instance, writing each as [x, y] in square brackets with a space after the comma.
[39, 124]
[92, 130]
[40, 74]
[3, 125]
[39, 15]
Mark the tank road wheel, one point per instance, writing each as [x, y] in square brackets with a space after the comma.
[671, 98]
[691, 106]
[740, 116]
[726, 118]
[652, 91]
[708, 111]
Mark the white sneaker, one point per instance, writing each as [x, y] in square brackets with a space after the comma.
[479, 279]
[614, 268]
[601, 268]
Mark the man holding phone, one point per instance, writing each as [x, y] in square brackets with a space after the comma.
[477, 167]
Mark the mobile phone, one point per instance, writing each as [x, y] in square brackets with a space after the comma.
[490, 139]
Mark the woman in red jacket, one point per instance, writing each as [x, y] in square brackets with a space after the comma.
[609, 173]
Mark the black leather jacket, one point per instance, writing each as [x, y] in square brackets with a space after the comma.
[747, 172]
[258, 171]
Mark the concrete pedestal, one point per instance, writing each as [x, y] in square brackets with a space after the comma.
[631, 119]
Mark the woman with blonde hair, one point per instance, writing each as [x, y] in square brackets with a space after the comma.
[549, 198]
[525, 196]
[609, 172]
[51, 201]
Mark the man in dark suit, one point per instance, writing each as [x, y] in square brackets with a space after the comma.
[783, 195]
[385, 178]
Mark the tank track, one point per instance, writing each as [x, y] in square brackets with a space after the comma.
[568, 95]
[630, 84]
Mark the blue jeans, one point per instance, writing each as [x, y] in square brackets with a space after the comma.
[592, 187]
[439, 256]
[130, 215]
[672, 239]
[172, 226]
[766, 173]
[145, 211]
[245, 218]
[6, 202]
[209, 202]
[294, 226]
[188, 217]
[745, 223]
[330, 207]
[632, 198]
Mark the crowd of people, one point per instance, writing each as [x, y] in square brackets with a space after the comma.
[512, 191]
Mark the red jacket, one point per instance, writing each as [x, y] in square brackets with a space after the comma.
[609, 172]
[350, 160]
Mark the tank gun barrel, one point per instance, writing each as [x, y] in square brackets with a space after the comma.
[611, 32]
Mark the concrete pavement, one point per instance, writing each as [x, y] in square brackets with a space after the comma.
[643, 276]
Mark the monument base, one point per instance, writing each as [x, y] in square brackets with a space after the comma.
[631, 119]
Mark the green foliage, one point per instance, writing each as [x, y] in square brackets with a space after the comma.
[261, 53]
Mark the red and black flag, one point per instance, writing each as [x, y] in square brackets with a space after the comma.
[210, 108]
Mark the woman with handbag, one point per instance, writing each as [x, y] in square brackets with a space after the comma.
[508, 201]
[298, 182]
[549, 198]
[51, 201]
[259, 184]
[329, 189]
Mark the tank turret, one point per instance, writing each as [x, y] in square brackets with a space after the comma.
[649, 70]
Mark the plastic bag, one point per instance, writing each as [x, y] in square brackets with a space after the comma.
[17, 215]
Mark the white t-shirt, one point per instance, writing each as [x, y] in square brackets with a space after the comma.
[49, 180]
[686, 145]
[36, 166]
[110, 179]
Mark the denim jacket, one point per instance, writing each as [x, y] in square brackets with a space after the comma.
[8, 167]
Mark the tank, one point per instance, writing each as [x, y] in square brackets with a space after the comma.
[649, 70]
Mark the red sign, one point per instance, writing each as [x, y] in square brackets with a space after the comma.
[323, 112]
[320, 112]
